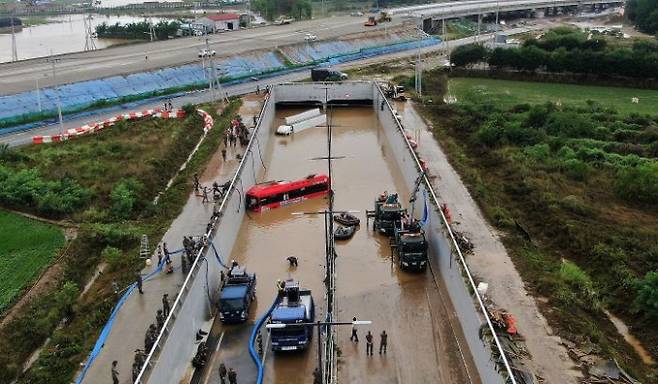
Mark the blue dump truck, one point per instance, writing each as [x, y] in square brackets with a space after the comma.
[295, 307]
[238, 290]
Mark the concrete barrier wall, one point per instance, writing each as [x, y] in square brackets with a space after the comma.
[445, 263]
[175, 346]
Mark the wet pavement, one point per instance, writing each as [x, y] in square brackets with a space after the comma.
[422, 347]
[490, 262]
[138, 312]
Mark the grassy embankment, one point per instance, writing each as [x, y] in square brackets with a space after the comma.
[581, 177]
[105, 183]
[26, 247]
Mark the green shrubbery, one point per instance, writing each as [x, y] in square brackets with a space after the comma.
[567, 50]
[647, 297]
[27, 188]
[639, 183]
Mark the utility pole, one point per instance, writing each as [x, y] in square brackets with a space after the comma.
[419, 69]
[59, 104]
[14, 51]
[38, 95]
[90, 45]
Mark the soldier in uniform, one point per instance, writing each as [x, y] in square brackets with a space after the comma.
[232, 376]
[369, 343]
[222, 373]
[159, 319]
[383, 341]
[165, 305]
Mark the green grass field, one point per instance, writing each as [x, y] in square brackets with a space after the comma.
[26, 247]
[509, 93]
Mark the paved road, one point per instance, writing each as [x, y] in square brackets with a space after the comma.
[21, 76]
[22, 138]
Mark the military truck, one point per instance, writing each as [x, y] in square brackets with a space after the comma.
[238, 290]
[411, 246]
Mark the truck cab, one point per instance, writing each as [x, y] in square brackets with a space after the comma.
[327, 74]
[295, 307]
[411, 246]
[238, 290]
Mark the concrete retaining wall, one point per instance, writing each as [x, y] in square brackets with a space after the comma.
[446, 264]
[191, 309]
[175, 346]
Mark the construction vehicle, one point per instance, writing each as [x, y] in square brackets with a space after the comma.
[409, 241]
[238, 290]
[411, 246]
[295, 307]
[387, 214]
[371, 21]
[395, 92]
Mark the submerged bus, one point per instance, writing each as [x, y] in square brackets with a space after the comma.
[274, 194]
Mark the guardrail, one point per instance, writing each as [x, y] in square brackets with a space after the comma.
[467, 8]
[446, 227]
[200, 257]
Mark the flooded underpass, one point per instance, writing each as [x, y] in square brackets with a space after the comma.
[422, 346]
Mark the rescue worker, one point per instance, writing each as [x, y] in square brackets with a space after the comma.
[369, 343]
[317, 377]
[115, 288]
[166, 308]
[255, 120]
[115, 372]
[280, 286]
[292, 260]
[151, 334]
[205, 195]
[196, 182]
[232, 376]
[139, 282]
[136, 369]
[222, 373]
[223, 154]
[140, 357]
[383, 341]
[257, 89]
[159, 319]
[354, 336]
[159, 254]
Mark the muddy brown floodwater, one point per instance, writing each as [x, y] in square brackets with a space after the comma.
[422, 347]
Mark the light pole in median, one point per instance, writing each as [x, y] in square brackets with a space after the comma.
[59, 104]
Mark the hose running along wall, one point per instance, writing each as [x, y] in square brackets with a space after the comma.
[170, 357]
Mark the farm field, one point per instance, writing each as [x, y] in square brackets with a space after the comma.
[26, 248]
[506, 93]
[572, 189]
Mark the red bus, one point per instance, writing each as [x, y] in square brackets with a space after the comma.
[273, 194]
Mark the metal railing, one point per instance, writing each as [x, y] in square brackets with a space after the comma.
[462, 260]
[200, 256]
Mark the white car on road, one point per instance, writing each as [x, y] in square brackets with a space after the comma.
[310, 37]
[207, 53]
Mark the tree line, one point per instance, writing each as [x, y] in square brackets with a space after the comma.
[140, 30]
[567, 50]
[271, 9]
[644, 14]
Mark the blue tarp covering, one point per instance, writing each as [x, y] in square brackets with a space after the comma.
[76, 96]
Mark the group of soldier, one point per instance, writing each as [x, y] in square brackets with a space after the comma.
[383, 340]
[151, 335]
[229, 374]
